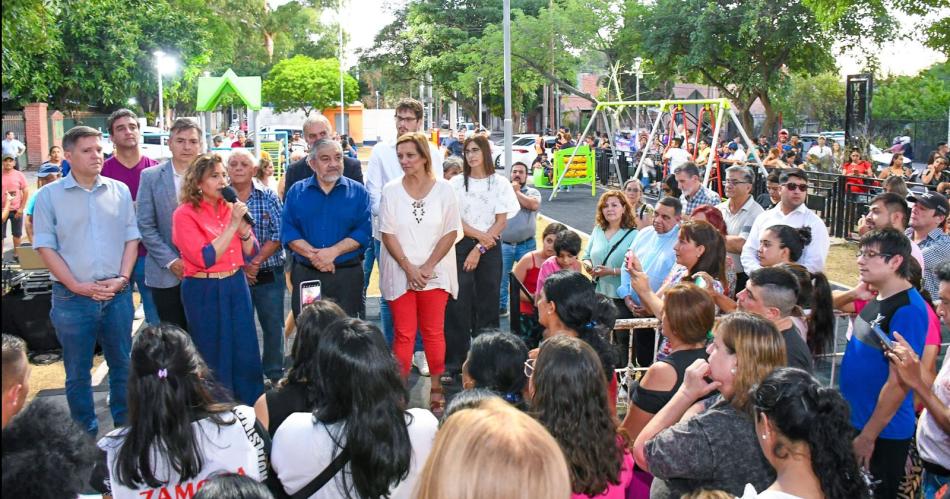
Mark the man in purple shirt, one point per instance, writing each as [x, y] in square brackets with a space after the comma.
[126, 166]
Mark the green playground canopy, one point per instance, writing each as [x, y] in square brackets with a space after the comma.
[212, 88]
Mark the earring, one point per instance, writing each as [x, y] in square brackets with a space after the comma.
[733, 370]
[764, 436]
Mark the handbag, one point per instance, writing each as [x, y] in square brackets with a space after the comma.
[622, 239]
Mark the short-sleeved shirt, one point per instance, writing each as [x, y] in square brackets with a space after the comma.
[193, 230]
[704, 196]
[678, 157]
[597, 248]
[14, 182]
[865, 369]
[418, 224]
[796, 350]
[932, 441]
[716, 449]
[936, 250]
[87, 227]
[740, 224]
[655, 252]
[265, 207]
[813, 257]
[13, 146]
[524, 224]
[303, 448]
[549, 267]
[114, 169]
[484, 198]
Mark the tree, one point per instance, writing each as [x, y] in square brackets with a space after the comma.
[306, 84]
[875, 19]
[31, 44]
[921, 97]
[745, 48]
[820, 98]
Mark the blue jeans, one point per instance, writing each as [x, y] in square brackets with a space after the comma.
[385, 315]
[511, 254]
[268, 299]
[932, 483]
[138, 277]
[79, 322]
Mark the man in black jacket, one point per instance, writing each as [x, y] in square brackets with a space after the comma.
[314, 129]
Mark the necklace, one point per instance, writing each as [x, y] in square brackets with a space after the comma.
[419, 210]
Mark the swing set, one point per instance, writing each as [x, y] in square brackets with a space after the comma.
[711, 108]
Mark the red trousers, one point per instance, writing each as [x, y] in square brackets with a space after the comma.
[423, 311]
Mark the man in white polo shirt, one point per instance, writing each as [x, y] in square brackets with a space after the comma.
[790, 211]
[739, 212]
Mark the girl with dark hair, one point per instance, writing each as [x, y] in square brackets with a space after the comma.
[568, 389]
[567, 305]
[486, 202]
[526, 271]
[700, 258]
[805, 433]
[297, 391]
[816, 321]
[715, 448]
[496, 362]
[178, 433]
[233, 486]
[783, 244]
[360, 427]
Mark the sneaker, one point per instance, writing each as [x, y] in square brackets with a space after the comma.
[420, 362]
[503, 312]
[139, 314]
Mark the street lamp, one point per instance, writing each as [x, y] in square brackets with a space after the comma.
[377, 100]
[479, 101]
[163, 65]
[638, 69]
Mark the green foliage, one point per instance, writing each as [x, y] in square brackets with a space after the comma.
[921, 97]
[818, 98]
[874, 20]
[31, 44]
[305, 83]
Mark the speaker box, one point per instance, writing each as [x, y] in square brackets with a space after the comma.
[29, 319]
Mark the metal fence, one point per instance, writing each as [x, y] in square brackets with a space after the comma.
[924, 135]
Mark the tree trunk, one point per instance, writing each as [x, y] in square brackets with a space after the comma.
[770, 114]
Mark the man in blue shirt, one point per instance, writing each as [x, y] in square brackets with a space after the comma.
[653, 246]
[882, 410]
[326, 221]
[87, 235]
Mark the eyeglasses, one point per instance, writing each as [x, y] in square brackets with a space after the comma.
[802, 187]
[874, 254]
[406, 119]
[730, 181]
[529, 368]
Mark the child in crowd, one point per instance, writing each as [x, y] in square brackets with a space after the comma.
[567, 245]
[451, 167]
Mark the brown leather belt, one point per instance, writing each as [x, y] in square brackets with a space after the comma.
[214, 275]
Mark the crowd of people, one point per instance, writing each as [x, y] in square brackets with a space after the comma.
[726, 402]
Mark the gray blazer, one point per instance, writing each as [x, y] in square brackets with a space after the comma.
[156, 202]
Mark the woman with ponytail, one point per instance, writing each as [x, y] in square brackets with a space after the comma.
[816, 319]
[496, 363]
[805, 433]
[361, 431]
[179, 434]
[567, 305]
[783, 244]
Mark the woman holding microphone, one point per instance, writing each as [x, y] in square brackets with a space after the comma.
[215, 241]
[420, 224]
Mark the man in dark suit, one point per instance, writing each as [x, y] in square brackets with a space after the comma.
[157, 201]
[314, 129]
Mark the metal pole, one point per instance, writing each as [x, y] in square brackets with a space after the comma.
[638, 107]
[339, 7]
[715, 143]
[479, 120]
[615, 156]
[506, 26]
[161, 104]
[656, 125]
[377, 100]
[547, 113]
[748, 141]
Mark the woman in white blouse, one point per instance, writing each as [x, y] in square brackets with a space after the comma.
[419, 222]
[486, 201]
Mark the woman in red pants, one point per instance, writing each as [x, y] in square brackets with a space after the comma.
[420, 224]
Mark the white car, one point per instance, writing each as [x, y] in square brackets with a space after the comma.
[522, 149]
[881, 159]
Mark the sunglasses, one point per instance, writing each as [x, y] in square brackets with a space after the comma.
[801, 187]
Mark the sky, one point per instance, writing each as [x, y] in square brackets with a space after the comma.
[363, 19]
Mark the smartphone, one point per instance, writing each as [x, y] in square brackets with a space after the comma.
[309, 292]
[700, 282]
[886, 342]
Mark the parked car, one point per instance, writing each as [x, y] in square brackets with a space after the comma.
[881, 159]
[522, 149]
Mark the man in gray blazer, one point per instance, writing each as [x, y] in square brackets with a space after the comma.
[157, 201]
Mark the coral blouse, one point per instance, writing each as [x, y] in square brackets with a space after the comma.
[193, 230]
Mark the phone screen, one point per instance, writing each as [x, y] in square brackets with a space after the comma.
[309, 292]
[699, 281]
[885, 341]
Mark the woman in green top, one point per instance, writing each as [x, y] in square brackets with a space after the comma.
[613, 232]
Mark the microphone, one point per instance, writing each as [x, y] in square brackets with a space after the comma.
[230, 195]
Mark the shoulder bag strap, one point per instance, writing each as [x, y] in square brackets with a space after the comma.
[325, 476]
[613, 248]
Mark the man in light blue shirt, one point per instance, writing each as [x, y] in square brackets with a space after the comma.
[653, 246]
[87, 235]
